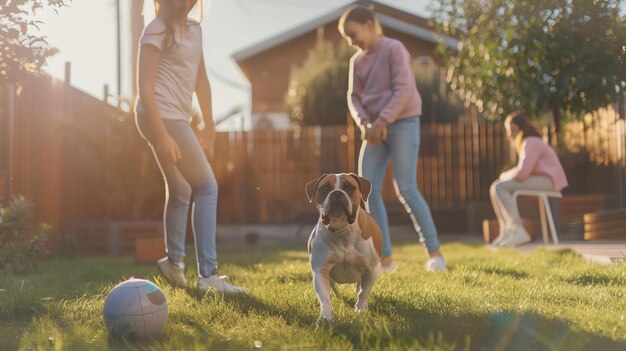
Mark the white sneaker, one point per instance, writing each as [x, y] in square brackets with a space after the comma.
[436, 264]
[173, 273]
[219, 284]
[519, 236]
[503, 235]
[387, 268]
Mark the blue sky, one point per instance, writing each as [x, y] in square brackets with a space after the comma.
[85, 35]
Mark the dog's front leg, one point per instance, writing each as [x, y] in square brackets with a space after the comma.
[366, 285]
[321, 284]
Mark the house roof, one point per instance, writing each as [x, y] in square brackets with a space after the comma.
[419, 31]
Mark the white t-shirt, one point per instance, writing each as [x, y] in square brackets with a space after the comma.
[178, 69]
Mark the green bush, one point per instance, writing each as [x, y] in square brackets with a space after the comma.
[317, 90]
[21, 242]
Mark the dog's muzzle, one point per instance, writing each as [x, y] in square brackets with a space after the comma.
[337, 205]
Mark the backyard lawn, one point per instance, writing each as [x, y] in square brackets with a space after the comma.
[493, 300]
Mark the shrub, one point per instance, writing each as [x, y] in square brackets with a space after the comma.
[21, 241]
[317, 90]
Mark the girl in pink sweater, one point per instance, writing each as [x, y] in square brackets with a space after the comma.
[384, 101]
[538, 168]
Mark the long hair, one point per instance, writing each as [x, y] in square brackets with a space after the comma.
[524, 124]
[172, 10]
[525, 127]
[359, 14]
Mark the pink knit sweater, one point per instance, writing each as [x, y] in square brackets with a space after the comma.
[538, 158]
[382, 84]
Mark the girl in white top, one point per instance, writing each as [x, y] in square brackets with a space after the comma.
[171, 68]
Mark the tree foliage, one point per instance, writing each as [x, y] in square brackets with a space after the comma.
[317, 90]
[22, 47]
[537, 56]
[439, 104]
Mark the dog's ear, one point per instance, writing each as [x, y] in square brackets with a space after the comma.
[311, 187]
[365, 186]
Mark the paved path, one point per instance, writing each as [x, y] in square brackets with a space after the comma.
[604, 252]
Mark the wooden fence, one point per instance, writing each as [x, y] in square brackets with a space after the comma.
[599, 134]
[75, 157]
[593, 151]
[262, 174]
[80, 159]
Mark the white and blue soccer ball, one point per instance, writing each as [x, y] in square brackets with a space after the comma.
[135, 309]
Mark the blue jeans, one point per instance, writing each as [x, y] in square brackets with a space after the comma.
[402, 147]
[190, 180]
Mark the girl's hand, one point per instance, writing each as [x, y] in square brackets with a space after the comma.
[167, 148]
[207, 136]
[374, 134]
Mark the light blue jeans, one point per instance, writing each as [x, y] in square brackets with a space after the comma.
[402, 147]
[190, 180]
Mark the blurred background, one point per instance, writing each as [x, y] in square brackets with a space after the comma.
[279, 71]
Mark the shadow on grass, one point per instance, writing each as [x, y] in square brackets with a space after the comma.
[498, 331]
[199, 341]
[595, 278]
[505, 272]
[292, 315]
[362, 331]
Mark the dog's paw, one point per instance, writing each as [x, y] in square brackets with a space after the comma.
[323, 322]
[361, 308]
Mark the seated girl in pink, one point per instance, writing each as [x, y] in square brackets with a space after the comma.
[538, 168]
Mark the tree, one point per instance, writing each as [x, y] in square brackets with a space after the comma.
[22, 47]
[439, 104]
[550, 55]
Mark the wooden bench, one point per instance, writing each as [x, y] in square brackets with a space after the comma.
[568, 213]
[572, 210]
[605, 225]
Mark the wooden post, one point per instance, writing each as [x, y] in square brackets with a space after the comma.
[105, 98]
[67, 163]
[136, 28]
[68, 73]
[620, 130]
[8, 144]
[119, 52]
[244, 183]
[68, 85]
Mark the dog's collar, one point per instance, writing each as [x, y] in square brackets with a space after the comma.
[338, 231]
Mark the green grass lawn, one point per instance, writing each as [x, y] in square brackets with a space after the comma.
[501, 300]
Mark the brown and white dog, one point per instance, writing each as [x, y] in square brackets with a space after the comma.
[346, 244]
